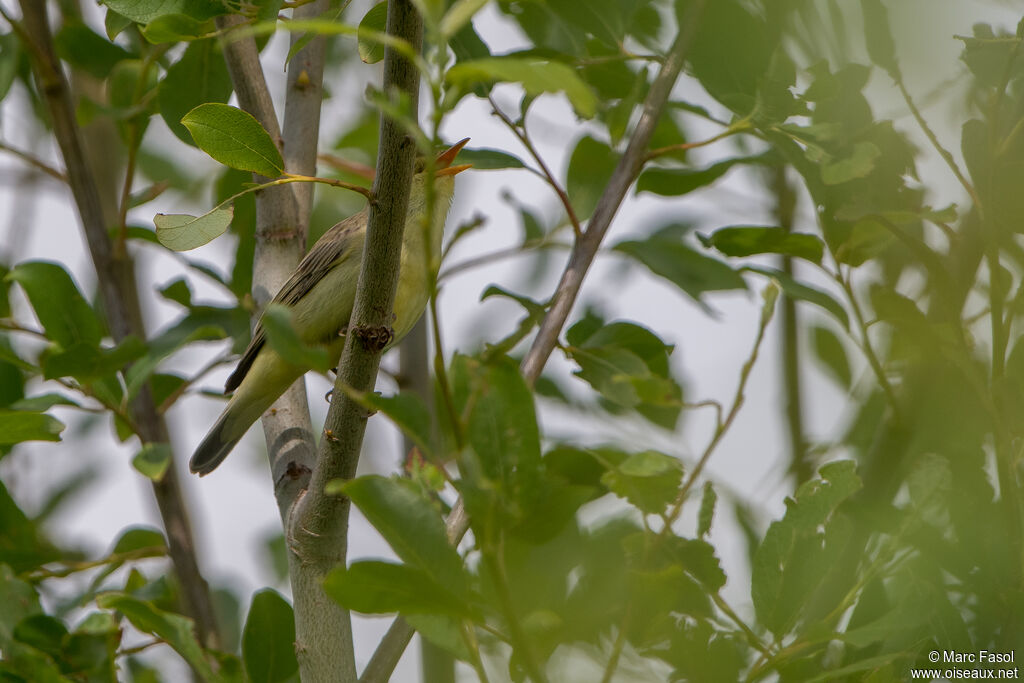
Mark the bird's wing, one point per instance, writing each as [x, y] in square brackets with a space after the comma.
[327, 253]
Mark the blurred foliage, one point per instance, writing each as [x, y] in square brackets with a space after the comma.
[912, 542]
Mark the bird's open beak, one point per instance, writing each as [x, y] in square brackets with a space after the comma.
[444, 159]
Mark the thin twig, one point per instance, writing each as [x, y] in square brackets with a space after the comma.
[34, 162]
[614, 192]
[520, 132]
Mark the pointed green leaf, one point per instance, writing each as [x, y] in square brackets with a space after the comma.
[268, 640]
[234, 138]
[536, 76]
[18, 425]
[374, 587]
[153, 460]
[748, 240]
[62, 310]
[412, 525]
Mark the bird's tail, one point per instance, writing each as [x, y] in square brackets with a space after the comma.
[215, 447]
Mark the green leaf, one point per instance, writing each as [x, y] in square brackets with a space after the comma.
[139, 538]
[412, 526]
[484, 159]
[63, 312]
[20, 601]
[799, 551]
[182, 232]
[10, 59]
[880, 45]
[176, 630]
[268, 640]
[859, 164]
[730, 53]
[409, 413]
[114, 23]
[234, 138]
[199, 76]
[17, 426]
[174, 28]
[692, 272]
[832, 354]
[590, 167]
[153, 460]
[747, 240]
[443, 631]
[374, 587]
[673, 182]
[373, 23]
[649, 480]
[41, 402]
[88, 363]
[282, 337]
[503, 429]
[459, 15]
[706, 514]
[77, 44]
[536, 76]
[145, 11]
[799, 291]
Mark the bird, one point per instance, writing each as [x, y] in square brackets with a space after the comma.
[320, 294]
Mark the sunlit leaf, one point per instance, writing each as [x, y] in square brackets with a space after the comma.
[182, 232]
[234, 138]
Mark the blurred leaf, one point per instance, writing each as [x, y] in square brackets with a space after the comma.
[371, 50]
[10, 59]
[673, 182]
[798, 291]
[21, 545]
[153, 460]
[881, 48]
[484, 159]
[281, 335]
[706, 514]
[174, 28]
[234, 138]
[459, 15]
[536, 77]
[832, 354]
[797, 551]
[375, 587]
[42, 632]
[115, 23]
[138, 538]
[590, 167]
[17, 426]
[77, 44]
[41, 402]
[747, 240]
[64, 314]
[199, 76]
[503, 430]
[145, 11]
[693, 272]
[858, 164]
[409, 413]
[730, 53]
[649, 480]
[182, 232]
[176, 630]
[88, 363]
[268, 640]
[412, 526]
[443, 631]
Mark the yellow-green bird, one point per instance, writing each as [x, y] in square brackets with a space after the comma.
[320, 294]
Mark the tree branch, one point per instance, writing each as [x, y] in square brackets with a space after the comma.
[614, 192]
[116, 277]
[323, 629]
[318, 525]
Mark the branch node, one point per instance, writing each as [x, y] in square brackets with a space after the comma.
[374, 338]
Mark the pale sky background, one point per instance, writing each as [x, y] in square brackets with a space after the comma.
[233, 509]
